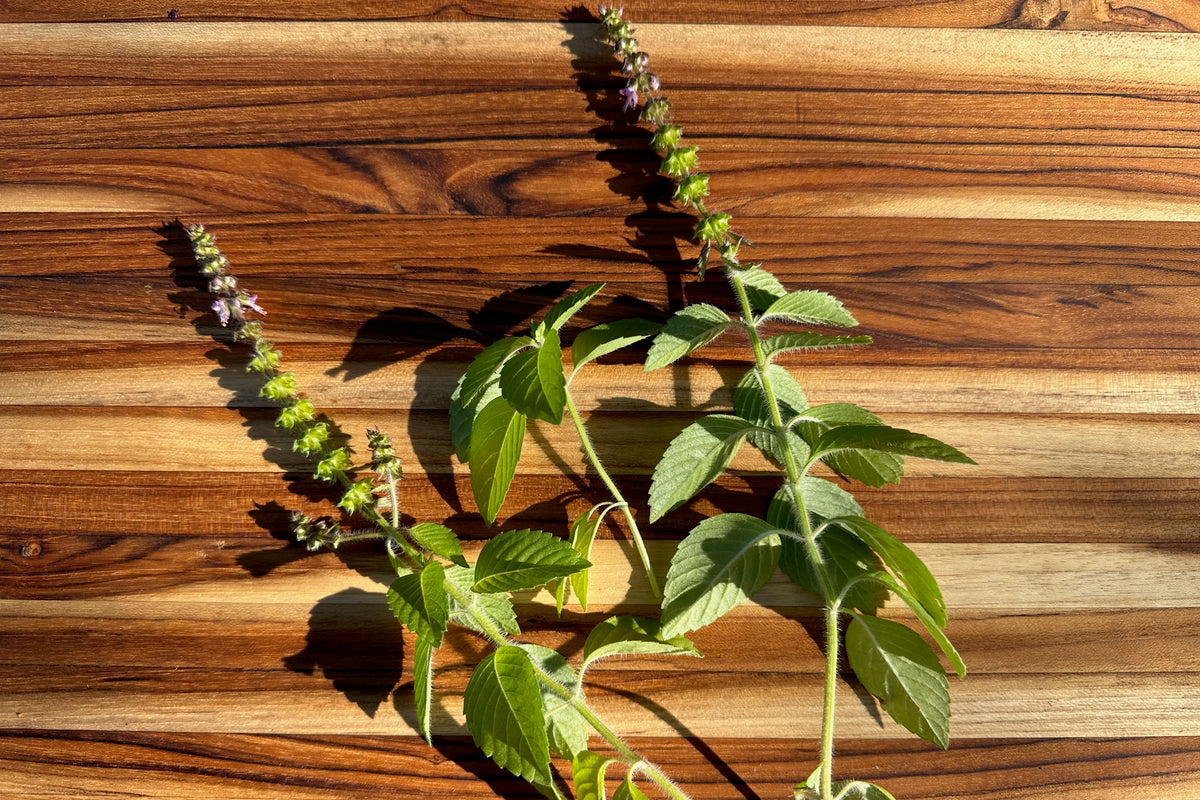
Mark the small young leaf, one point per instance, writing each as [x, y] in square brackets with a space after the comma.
[608, 337]
[533, 382]
[439, 540]
[503, 707]
[762, 288]
[898, 667]
[583, 534]
[690, 329]
[463, 415]
[721, 563]
[423, 684]
[900, 560]
[628, 791]
[885, 439]
[694, 459]
[926, 620]
[783, 342]
[566, 728]
[809, 306]
[496, 607]
[564, 309]
[844, 557]
[587, 772]
[496, 442]
[627, 636]
[524, 559]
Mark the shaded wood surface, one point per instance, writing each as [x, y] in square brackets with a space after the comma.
[1004, 193]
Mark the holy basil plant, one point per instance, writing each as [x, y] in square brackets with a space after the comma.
[525, 703]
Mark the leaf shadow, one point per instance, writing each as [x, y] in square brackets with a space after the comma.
[357, 645]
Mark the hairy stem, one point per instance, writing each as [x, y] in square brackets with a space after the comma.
[832, 645]
[794, 476]
[630, 756]
[590, 450]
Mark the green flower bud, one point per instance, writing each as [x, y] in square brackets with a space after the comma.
[679, 161]
[264, 362]
[656, 111]
[312, 441]
[333, 465]
[383, 457]
[358, 495]
[691, 189]
[713, 227]
[666, 137]
[280, 389]
[298, 413]
[249, 332]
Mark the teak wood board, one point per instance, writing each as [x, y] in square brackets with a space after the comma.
[1004, 193]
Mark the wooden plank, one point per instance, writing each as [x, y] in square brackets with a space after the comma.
[868, 181]
[362, 642]
[1059, 445]
[755, 705]
[537, 54]
[127, 379]
[243, 508]
[258, 767]
[1034, 576]
[1105, 119]
[1148, 15]
[809, 251]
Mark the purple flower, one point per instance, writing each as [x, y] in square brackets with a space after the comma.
[173, 15]
[221, 306]
[250, 301]
[631, 98]
[653, 83]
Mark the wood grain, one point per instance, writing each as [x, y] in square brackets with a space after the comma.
[1003, 192]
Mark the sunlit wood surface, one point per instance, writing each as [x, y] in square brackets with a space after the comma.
[1005, 194]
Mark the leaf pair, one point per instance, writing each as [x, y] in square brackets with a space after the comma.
[518, 378]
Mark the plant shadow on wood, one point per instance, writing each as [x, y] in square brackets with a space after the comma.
[358, 646]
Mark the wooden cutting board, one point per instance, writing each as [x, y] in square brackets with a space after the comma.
[1005, 194]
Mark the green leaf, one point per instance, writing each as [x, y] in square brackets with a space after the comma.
[566, 728]
[533, 382]
[926, 619]
[496, 607]
[750, 403]
[628, 791]
[783, 342]
[487, 365]
[860, 790]
[587, 772]
[524, 559]
[463, 415]
[901, 560]
[826, 499]
[762, 288]
[897, 666]
[810, 306]
[503, 707]
[439, 540]
[629, 636]
[423, 685]
[872, 468]
[436, 603]
[721, 563]
[608, 337]
[689, 329]
[844, 557]
[583, 533]
[694, 459]
[702, 260]
[564, 309]
[496, 442]
[885, 439]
